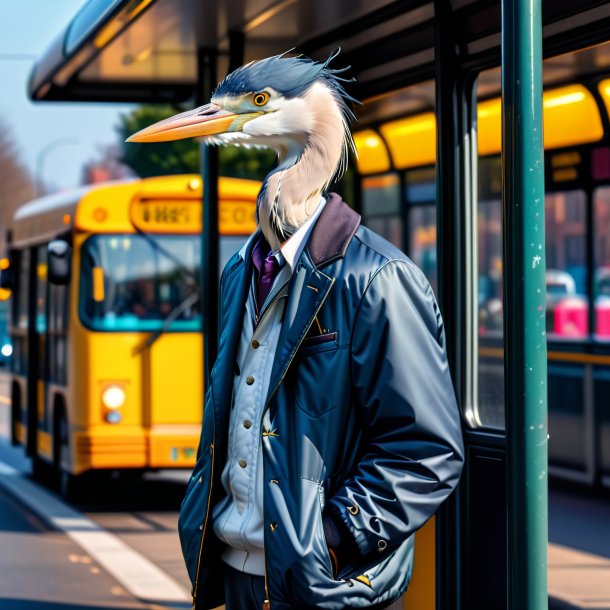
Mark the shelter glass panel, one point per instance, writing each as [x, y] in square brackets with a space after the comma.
[381, 207]
[567, 302]
[422, 241]
[488, 407]
[601, 227]
[420, 196]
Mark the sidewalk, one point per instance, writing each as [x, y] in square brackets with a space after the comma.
[579, 552]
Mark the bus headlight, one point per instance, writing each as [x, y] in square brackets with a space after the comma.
[113, 397]
[7, 350]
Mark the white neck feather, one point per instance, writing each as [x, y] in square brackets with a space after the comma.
[307, 164]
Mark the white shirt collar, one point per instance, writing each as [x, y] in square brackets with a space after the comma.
[292, 247]
[291, 250]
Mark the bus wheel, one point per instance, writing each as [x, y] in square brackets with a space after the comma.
[70, 486]
[42, 471]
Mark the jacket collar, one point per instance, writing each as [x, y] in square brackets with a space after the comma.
[330, 236]
[333, 231]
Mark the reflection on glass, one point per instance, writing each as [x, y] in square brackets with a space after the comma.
[381, 207]
[146, 282]
[601, 224]
[489, 293]
[488, 409]
[420, 194]
[422, 241]
[567, 305]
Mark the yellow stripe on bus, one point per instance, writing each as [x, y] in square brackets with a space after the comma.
[98, 284]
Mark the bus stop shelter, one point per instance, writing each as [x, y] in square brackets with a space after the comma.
[174, 51]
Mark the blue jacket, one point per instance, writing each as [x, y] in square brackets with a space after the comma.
[365, 423]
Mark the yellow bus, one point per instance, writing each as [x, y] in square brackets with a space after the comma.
[107, 365]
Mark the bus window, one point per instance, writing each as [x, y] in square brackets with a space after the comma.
[146, 279]
[381, 207]
[57, 334]
[19, 360]
[601, 227]
[567, 304]
[41, 289]
[21, 305]
[40, 325]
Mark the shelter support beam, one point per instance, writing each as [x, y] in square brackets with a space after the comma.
[453, 204]
[524, 312]
[207, 73]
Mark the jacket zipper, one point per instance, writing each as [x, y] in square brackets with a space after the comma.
[266, 602]
[205, 523]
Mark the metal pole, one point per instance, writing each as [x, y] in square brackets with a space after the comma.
[524, 313]
[451, 204]
[206, 62]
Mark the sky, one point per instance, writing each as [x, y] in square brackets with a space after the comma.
[27, 28]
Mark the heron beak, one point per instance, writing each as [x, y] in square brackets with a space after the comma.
[206, 120]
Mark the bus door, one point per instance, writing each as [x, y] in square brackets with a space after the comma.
[40, 356]
[30, 340]
[27, 322]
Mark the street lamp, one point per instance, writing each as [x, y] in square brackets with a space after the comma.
[42, 156]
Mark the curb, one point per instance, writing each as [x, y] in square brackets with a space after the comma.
[136, 573]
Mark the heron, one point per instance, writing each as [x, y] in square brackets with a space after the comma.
[293, 105]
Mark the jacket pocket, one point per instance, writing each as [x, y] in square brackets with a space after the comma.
[317, 343]
[316, 562]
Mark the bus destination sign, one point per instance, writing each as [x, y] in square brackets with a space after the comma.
[184, 216]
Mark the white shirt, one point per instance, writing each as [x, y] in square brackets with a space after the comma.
[238, 518]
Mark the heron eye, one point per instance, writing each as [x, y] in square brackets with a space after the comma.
[260, 99]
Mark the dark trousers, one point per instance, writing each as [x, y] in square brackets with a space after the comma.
[243, 591]
[247, 592]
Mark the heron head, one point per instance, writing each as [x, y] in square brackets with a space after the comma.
[274, 102]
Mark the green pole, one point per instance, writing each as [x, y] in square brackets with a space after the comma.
[525, 362]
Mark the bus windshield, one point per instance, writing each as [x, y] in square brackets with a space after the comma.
[134, 282]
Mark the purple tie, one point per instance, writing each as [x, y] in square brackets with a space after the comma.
[265, 280]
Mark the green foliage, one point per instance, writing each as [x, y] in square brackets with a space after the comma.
[182, 156]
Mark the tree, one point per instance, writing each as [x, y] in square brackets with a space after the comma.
[16, 184]
[182, 156]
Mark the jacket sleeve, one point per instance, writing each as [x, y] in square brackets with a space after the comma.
[412, 454]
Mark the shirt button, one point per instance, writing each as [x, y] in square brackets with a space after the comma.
[255, 344]
[247, 424]
[243, 463]
[250, 380]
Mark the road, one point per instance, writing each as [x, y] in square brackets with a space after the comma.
[118, 550]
